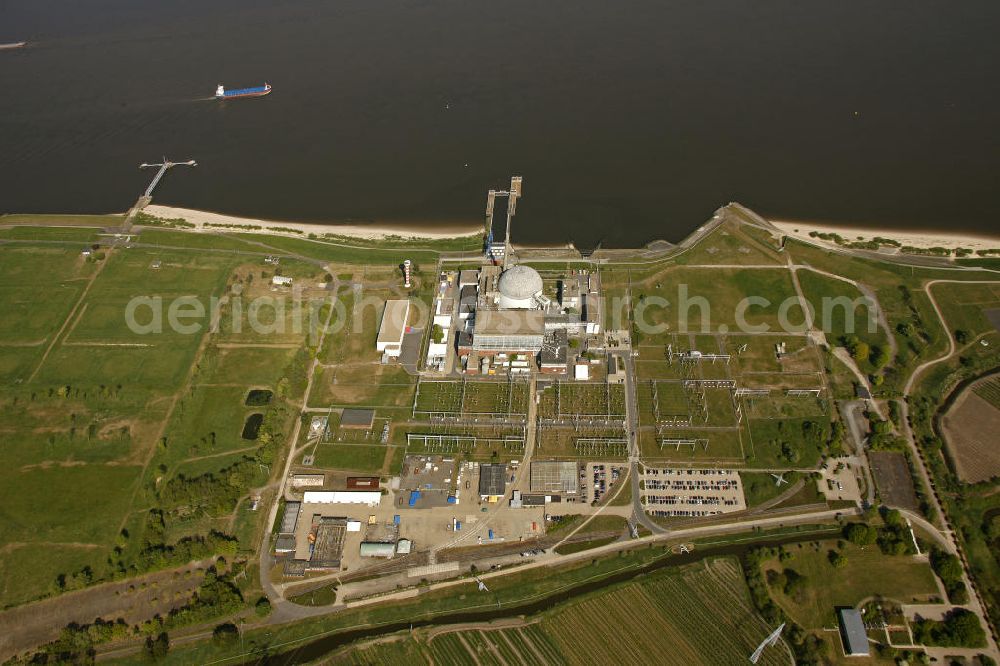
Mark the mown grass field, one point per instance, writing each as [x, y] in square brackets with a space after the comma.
[867, 573]
[93, 412]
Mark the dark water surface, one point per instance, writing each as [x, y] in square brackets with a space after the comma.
[628, 120]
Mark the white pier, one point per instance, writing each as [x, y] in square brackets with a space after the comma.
[164, 165]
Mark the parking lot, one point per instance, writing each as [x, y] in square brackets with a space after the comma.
[839, 480]
[597, 479]
[691, 493]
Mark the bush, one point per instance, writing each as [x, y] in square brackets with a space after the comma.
[225, 634]
[860, 534]
[157, 648]
[263, 607]
[960, 628]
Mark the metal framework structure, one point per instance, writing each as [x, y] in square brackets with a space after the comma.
[452, 443]
[460, 411]
[678, 443]
[798, 393]
[601, 446]
[577, 416]
[752, 393]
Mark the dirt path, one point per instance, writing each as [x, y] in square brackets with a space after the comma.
[72, 313]
[220, 454]
[952, 349]
[161, 431]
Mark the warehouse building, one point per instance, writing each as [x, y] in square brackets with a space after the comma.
[492, 481]
[290, 518]
[393, 328]
[555, 476]
[386, 550]
[852, 631]
[369, 498]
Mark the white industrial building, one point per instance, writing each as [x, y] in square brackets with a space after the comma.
[393, 327]
[368, 497]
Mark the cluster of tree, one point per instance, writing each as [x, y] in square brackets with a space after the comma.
[807, 647]
[215, 493]
[217, 595]
[949, 569]
[862, 351]
[882, 436]
[789, 581]
[76, 642]
[837, 559]
[960, 628]
[893, 538]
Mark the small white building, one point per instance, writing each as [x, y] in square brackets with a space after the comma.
[281, 281]
[581, 372]
[370, 498]
[393, 327]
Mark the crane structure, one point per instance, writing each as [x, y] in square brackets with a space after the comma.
[163, 166]
[770, 640]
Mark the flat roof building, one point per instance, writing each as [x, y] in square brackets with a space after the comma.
[492, 481]
[370, 498]
[508, 331]
[393, 327]
[554, 351]
[467, 277]
[290, 518]
[285, 543]
[852, 631]
[386, 550]
[328, 542]
[303, 480]
[362, 483]
[555, 476]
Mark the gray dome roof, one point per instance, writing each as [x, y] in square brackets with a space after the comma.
[520, 282]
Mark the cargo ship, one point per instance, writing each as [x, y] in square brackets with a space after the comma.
[257, 91]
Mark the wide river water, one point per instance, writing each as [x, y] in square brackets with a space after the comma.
[629, 121]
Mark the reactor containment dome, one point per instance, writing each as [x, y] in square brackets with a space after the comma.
[518, 287]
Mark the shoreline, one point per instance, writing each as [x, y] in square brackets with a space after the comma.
[209, 221]
[907, 237]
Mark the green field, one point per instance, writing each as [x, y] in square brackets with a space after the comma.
[867, 573]
[697, 614]
[352, 457]
[115, 413]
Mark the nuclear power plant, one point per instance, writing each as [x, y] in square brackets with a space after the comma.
[505, 317]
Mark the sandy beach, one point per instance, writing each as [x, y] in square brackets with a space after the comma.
[204, 219]
[919, 239]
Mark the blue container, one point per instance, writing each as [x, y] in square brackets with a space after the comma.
[452, 499]
[491, 535]
[395, 519]
[458, 525]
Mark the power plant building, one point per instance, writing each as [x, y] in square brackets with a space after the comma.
[393, 328]
[508, 331]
